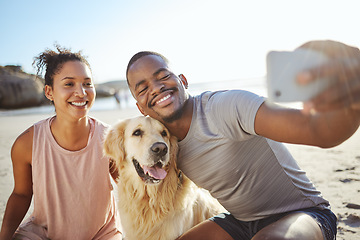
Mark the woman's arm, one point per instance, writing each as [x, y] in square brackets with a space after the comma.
[20, 199]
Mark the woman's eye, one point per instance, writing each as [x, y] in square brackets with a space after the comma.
[68, 84]
[89, 84]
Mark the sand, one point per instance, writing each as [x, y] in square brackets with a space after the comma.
[335, 172]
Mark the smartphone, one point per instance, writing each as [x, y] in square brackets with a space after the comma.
[282, 69]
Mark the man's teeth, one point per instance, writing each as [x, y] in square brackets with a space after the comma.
[163, 99]
[79, 104]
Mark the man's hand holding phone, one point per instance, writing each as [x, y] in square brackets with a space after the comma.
[344, 67]
[325, 75]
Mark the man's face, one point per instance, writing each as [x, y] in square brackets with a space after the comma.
[158, 91]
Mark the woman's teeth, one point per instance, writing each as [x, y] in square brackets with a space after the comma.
[79, 104]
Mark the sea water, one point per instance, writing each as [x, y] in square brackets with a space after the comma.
[255, 85]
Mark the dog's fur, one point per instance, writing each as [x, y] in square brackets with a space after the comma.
[152, 208]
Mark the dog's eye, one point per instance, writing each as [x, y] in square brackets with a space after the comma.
[164, 133]
[137, 132]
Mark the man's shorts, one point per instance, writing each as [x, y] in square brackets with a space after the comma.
[325, 218]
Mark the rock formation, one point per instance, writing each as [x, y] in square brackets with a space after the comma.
[19, 89]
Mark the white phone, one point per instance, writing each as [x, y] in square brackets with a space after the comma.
[282, 69]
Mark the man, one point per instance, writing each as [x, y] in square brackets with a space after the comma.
[230, 145]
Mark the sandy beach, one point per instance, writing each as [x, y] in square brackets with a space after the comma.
[335, 172]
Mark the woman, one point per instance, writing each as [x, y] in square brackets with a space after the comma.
[59, 161]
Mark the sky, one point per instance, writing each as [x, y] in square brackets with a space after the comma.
[206, 40]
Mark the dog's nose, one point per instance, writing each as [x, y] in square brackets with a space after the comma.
[159, 148]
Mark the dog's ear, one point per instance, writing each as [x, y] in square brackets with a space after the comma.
[174, 148]
[108, 146]
[114, 142]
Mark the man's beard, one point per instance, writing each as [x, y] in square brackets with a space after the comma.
[175, 116]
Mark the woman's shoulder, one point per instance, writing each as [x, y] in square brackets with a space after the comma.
[99, 123]
[25, 137]
[22, 147]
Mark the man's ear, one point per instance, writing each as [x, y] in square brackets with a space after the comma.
[184, 80]
[140, 109]
[49, 92]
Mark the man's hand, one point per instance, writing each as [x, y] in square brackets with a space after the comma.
[344, 67]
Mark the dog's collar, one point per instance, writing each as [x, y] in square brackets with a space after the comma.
[180, 177]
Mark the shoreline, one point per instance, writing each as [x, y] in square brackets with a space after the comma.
[335, 172]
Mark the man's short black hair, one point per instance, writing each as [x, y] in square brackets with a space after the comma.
[141, 54]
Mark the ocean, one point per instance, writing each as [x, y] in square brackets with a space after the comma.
[255, 85]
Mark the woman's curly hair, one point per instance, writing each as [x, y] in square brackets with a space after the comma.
[52, 62]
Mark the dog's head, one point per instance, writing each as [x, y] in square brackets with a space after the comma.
[144, 143]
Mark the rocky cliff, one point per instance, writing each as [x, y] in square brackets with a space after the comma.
[19, 89]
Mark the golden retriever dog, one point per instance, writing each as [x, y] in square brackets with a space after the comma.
[155, 199]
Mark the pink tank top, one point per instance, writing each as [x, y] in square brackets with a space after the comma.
[71, 189]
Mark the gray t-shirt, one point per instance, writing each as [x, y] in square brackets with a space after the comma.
[252, 177]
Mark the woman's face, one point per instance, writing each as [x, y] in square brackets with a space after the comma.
[73, 92]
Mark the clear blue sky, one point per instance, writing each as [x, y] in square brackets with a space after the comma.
[205, 39]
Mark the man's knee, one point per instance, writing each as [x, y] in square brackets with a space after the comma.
[293, 226]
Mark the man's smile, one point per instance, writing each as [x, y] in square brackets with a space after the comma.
[163, 99]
